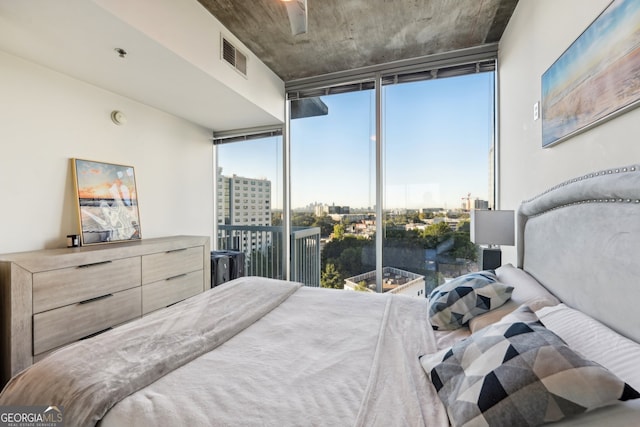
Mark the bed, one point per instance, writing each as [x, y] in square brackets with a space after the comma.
[258, 351]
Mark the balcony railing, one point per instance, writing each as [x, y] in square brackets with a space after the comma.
[263, 247]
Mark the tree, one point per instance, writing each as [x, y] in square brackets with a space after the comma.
[413, 217]
[326, 224]
[276, 218]
[349, 263]
[426, 215]
[361, 286]
[330, 278]
[463, 247]
[436, 233]
[338, 231]
[464, 226]
[303, 219]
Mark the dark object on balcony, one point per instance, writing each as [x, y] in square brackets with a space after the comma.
[225, 266]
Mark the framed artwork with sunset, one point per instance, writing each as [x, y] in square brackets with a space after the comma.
[107, 201]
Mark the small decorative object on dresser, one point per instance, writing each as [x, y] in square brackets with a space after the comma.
[107, 201]
[51, 298]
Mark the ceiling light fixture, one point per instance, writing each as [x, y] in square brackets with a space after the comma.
[297, 11]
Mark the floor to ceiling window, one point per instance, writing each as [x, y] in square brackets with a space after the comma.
[383, 170]
[438, 137]
[249, 202]
[333, 183]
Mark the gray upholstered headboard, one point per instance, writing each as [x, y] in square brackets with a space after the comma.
[581, 240]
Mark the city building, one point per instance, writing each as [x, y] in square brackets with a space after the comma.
[395, 281]
[480, 204]
[245, 201]
[331, 210]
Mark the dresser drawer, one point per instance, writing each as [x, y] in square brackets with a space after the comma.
[168, 264]
[166, 292]
[56, 288]
[67, 324]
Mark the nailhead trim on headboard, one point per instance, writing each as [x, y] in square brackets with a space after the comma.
[626, 169]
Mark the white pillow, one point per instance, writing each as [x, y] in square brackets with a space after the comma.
[526, 290]
[594, 341]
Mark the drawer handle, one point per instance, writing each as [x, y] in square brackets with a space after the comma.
[94, 264]
[87, 301]
[176, 250]
[95, 334]
[177, 277]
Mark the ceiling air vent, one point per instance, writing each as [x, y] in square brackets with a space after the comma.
[234, 57]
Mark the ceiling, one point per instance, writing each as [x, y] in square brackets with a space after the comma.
[77, 38]
[347, 34]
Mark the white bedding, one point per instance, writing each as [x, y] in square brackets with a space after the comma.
[320, 358]
[309, 357]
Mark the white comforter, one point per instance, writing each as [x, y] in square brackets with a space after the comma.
[320, 357]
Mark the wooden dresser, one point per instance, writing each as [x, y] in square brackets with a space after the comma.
[51, 298]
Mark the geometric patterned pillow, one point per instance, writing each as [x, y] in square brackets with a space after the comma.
[454, 303]
[518, 374]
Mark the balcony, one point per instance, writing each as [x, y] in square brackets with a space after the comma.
[263, 246]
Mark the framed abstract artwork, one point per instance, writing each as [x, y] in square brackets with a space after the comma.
[107, 201]
[597, 78]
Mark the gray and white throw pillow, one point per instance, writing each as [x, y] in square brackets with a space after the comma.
[519, 374]
[454, 303]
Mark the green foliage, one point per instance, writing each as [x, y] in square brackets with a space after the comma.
[463, 247]
[303, 219]
[346, 255]
[425, 215]
[276, 218]
[435, 234]
[361, 286]
[402, 235]
[350, 262]
[439, 229]
[326, 224]
[464, 226]
[331, 278]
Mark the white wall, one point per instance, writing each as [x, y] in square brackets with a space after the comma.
[189, 30]
[538, 33]
[46, 118]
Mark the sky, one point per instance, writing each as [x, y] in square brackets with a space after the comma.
[437, 136]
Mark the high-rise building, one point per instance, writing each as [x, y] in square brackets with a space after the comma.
[480, 204]
[246, 202]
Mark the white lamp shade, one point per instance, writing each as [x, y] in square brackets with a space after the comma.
[492, 227]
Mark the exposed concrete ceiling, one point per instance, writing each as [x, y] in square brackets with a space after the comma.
[347, 34]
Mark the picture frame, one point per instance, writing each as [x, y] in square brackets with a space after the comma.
[107, 202]
[596, 78]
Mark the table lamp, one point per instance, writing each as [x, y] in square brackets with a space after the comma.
[492, 228]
